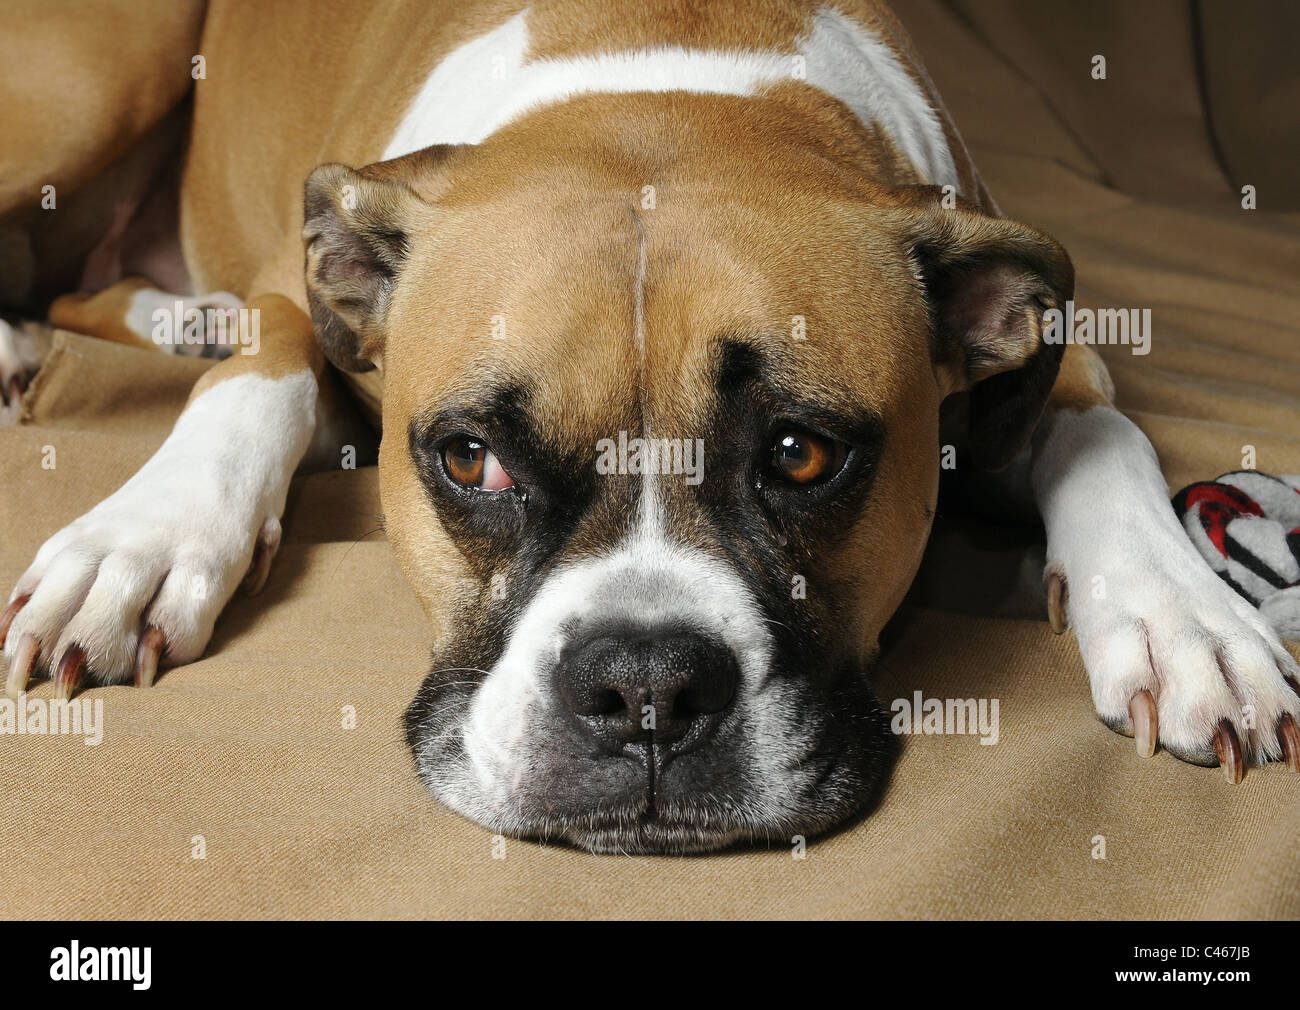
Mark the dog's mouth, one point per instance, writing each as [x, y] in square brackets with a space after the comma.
[705, 824]
[720, 796]
[689, 823]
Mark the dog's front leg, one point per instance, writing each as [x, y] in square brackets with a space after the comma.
[1173, 654]
[144, 574]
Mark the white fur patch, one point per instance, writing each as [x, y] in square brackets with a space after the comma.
[485, 84]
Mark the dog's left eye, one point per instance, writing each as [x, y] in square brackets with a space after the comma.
[472, 464]
[804, 457]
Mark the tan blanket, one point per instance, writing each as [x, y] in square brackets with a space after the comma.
[244, 758]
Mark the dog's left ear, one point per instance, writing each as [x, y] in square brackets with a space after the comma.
[989, 282]
[355, 231]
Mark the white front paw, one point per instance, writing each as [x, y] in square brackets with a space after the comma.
[1174, 655]
[128, 583]
[145, 573]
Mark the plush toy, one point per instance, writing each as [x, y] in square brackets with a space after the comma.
[1246, 524]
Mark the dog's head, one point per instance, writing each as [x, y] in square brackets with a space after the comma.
[660, 456]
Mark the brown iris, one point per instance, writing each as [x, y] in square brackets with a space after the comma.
[472, 464]
[803, 457]
[465, 458]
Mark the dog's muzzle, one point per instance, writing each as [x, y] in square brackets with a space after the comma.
[640, 704]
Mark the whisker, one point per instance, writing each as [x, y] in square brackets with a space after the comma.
[377, 529]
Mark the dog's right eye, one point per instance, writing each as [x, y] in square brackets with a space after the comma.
[472, 464]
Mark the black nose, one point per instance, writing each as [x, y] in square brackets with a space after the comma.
[669, 688]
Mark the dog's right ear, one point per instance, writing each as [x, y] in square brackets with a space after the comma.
[988, 282]
[356, 232]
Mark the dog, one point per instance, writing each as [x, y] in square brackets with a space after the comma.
[661, 306]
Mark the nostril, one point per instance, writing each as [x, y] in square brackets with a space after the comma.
[607, 702]
[589, 699]
[705, 695]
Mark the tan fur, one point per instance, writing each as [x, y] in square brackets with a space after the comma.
[764, 211]
[242, 193]
[93, 107]
[288, 345]
[82, 81]
[101, 315]
[561, 28]
[288, 342]
[1083, 381]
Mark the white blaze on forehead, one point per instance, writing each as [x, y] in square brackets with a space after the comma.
[485, 84]
[651, 510]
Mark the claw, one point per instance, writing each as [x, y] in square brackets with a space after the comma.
[1229, 751]
[7, 618]
[72, 667]
[1057, 596]
[1289, 737]
[15, 391]
[151, 647]
[268, 542]
[24, 659]
[1146, 724]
